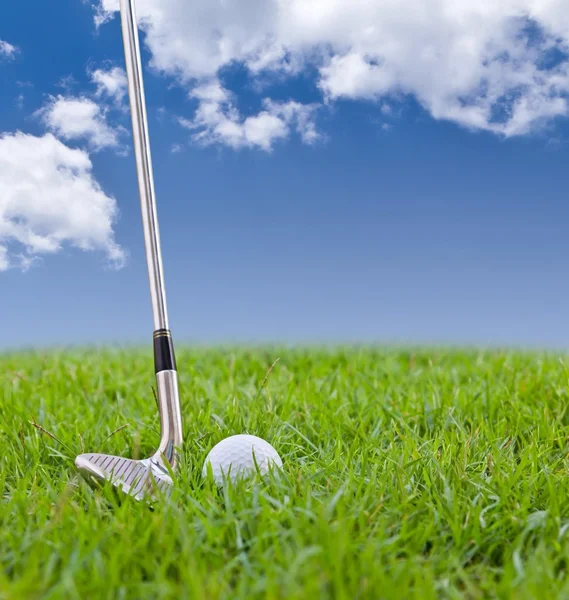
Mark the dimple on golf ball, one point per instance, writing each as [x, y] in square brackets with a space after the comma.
[241, 455]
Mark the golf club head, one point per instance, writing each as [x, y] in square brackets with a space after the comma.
[150, 477]
[140, 479]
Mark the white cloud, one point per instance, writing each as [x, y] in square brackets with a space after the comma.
[4, 259]
[111, 83]
[49, 198]
[79, 119]
[352, 76]
[500, 66]
[297, 114]
[217, 120]
[7, 50]
[67, 83]
[104, 11]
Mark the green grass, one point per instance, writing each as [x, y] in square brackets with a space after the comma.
[407, 474]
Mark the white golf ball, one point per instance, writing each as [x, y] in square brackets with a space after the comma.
[236, 456]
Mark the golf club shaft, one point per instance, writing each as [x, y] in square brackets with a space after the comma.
[143, 163]
[164, 360]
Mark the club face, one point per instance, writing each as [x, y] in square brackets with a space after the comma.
[140, 479]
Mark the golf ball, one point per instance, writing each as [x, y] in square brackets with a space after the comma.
[237, 455]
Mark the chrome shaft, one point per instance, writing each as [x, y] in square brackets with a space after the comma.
[143, 163]
[170, 416]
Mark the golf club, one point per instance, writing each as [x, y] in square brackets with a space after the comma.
[140, 478]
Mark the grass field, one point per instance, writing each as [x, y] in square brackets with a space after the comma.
[408, 474]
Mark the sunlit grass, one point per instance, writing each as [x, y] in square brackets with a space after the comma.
[407, 474]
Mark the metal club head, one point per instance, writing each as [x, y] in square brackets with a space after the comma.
[137, 478]
[150, 477]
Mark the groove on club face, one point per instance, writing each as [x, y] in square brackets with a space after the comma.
[137, 478]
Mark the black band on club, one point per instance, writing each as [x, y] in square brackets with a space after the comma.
[164, 359]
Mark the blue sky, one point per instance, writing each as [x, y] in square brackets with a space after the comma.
[313, 186]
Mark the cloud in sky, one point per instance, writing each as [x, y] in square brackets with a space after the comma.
[49, 199]
[84, 117]
[218, 121]
[79, 118]
[496, 66]
[7, 50]
[111, 83]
